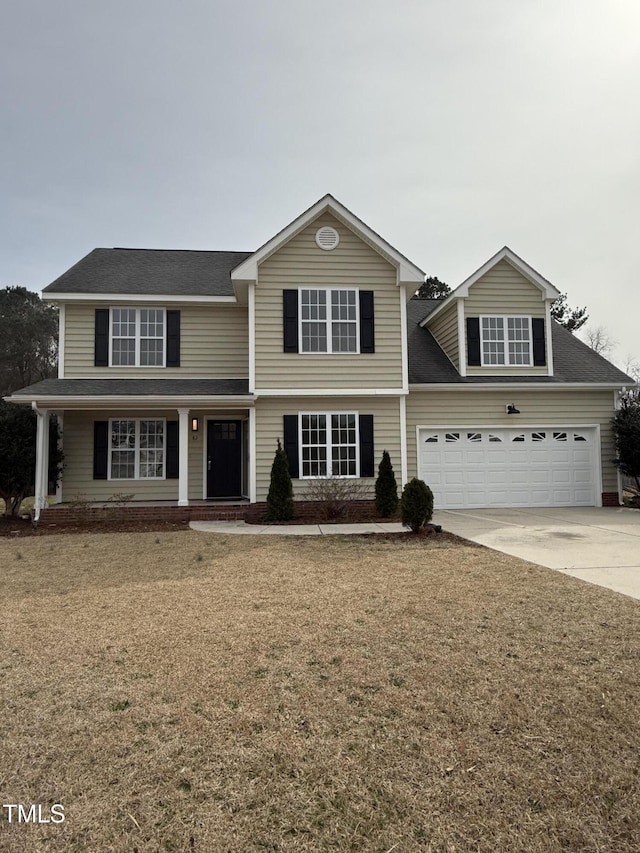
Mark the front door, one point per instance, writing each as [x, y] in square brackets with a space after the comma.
[224, 459]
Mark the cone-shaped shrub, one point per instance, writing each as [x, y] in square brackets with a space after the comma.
[416, 504]
[386, 488]
[280, 497]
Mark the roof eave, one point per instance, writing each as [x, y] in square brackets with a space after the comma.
[137, 297]
[129, 401]
[547, 386]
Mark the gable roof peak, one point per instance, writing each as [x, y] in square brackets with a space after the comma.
[407, 271]
[507, 254]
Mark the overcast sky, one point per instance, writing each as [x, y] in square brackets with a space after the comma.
[451, 127]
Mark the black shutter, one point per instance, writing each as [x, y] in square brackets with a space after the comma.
[290, 320]
[100, 449]
[473, 341]
[291, 443]
[101, 350]
[366, 446]
[539, 347]
[173, 464]
[367, 326]
[173, 339]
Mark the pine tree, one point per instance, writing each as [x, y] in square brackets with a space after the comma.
[386, 488]
[416, 504]
[280, 497]
[571, 318]
[433, 288]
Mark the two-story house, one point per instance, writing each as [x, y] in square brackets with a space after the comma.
[180, 370]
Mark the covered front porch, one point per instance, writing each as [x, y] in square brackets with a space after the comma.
[139, 443]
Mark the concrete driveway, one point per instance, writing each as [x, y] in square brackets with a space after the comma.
[599, 545]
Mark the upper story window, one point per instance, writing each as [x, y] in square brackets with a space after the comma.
[506, 341]
[137, 337]
[328, 320]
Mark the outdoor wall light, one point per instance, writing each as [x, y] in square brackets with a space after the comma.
[195, 425]
[512, 410]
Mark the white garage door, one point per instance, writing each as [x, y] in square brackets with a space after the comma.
[487, 467]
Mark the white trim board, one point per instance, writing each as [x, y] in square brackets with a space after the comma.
[520, 386]
[330, 392]
[135, 297]
[132, 402]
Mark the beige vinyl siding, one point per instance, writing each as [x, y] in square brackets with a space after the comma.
[214, 343]
[269, 428]
[503, 291]
[538, 408]
[445, 330]
[353, 264]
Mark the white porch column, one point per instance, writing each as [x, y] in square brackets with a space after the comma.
[252, 455]
[42, 460]
[183, 457]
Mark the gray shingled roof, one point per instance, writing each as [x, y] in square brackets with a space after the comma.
[171, 272]
[135, 388]
[573, 361]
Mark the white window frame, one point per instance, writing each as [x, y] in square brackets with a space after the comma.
[138, 336]
[329, 321]
[329, 446]
[505, 318]
[136, 450]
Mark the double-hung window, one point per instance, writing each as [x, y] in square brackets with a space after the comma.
[136, 449]
[329, 444]
[506, 341]
[329, 320]
[137, 337]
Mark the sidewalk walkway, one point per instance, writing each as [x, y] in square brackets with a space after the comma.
[296, 529]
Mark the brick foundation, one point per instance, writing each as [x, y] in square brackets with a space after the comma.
[252, 513]
[610, 499]
[311, 511]
[179, 514]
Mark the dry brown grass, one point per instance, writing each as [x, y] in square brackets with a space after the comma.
[186, 691]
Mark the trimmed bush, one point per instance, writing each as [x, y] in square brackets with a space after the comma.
[334, 495]
[386, 488]
[416, 504]
[280, 497]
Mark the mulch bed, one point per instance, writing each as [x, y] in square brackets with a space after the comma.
[20, 527]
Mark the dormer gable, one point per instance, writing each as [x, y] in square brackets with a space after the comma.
[498, 321]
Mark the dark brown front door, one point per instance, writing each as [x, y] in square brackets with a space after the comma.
[224, 459]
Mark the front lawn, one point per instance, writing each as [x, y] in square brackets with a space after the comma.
[183, 691]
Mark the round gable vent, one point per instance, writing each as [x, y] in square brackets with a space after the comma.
[327, 238]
